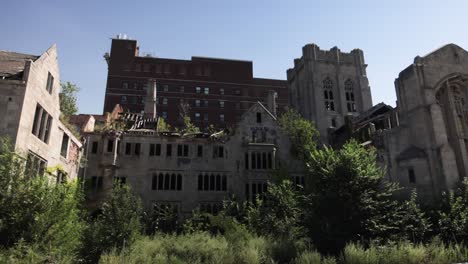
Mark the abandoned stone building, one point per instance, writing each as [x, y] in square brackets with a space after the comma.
[30, 113]
[326, 85]
[422, 143]
[186, 171]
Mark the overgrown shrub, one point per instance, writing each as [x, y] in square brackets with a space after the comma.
[36, 214]
[117, 226]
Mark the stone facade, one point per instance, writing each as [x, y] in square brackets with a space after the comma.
[422, 143]
[191, 170]
[30, 111]
[326, 85]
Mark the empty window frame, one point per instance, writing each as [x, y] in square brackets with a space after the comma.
[218, 152]
[64, 147]
[200, 151]
[169, 150]
[166, 182]
[182, 150]
[212, 182]
[94, 147]
[110, 145]
[35, 165]
[411, 175]
[42, 124]
[259, 160]
[50, 83]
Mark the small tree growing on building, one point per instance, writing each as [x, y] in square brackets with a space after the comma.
[67, 97]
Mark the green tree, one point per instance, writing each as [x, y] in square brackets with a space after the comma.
[415, 224]
[68, 98]
[117, 226]
[453, 216]
[189, 127]
[348, 198]
[36, 212]
[278, 212]
[301, 132]
[163, 126]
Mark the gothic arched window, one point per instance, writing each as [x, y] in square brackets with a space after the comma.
[328, 94]
[349, 91]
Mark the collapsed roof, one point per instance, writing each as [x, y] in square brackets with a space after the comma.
[12, 64]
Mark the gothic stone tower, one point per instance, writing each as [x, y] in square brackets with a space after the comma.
[325, 86]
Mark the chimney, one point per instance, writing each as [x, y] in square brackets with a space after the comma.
[150, 100]
[271, 101]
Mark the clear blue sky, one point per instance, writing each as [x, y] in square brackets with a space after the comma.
[269, 33]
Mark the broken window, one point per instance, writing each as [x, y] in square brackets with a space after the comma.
[137, 149]
[64, 148]
[151, 150]
[411, 175]
[110, 145]
[50, 83]
[169, 150]
[128, 148]
[166, 182]
[212, 182]
[94, 147]
[158, 149]
[218, 152]
[199, 151]
[42, 124]
[35, 164]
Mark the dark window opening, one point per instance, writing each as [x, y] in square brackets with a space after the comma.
[128, 148]
[158, 149]
[110, 145]
[200, 151]
[137, 149]
[64, 148]
[94, 147]
[169, 150]
[411, 176]
[151, 150]
[259, 117]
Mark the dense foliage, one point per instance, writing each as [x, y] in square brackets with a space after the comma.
[345, 213]
[35, 212]
[301, 133]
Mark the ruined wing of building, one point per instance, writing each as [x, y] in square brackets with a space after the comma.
[30, 112]
[423, 143]
[188, 171]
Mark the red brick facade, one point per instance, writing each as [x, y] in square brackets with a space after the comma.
[215, 89]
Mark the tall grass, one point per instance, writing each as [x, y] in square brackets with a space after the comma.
[404, 252]
[189, 248]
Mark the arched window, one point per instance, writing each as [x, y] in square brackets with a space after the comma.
[166, 181]
[328, 94]
[218, 183]
[173, 182]
[349, 90]
[200, 182]
[206, 182]
[160, 181]
[212, 182]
